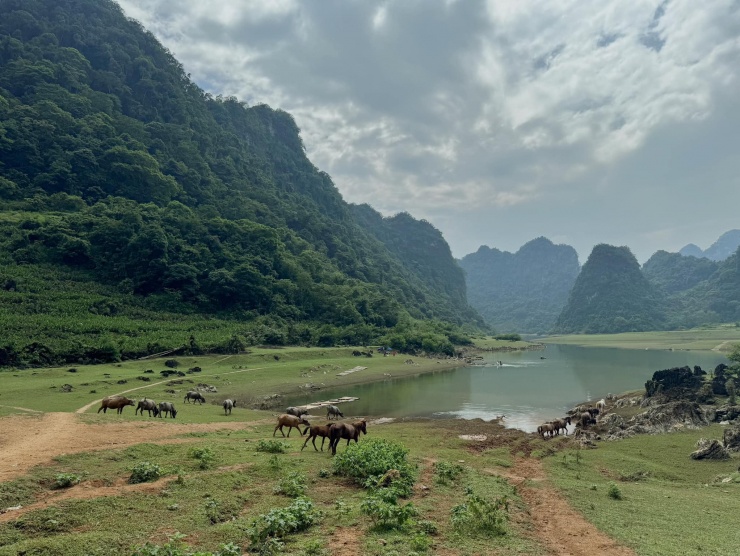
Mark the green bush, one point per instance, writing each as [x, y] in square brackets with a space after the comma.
[271, 446]
[205, 457]
[66, 480]
[614, 491]
[369, 463]
[385, 511]
[446, 472]
[144, 472]
[478, 515]
[293, 485]
[279, 522]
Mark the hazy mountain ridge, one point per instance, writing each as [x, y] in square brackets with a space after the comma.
[724, 247]
[523, 291]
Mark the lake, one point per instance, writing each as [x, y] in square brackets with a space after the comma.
[529, 388]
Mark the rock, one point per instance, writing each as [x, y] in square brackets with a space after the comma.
[66, 388]
[731, 440]
[613, 421]
[671, 416]
[710, 449]
[675, 383]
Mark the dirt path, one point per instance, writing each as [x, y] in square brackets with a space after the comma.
[557, 525]
[721, 346]
[30, 440]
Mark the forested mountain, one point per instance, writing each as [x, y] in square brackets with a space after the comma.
[696, 291]
[721, 249]
[116, 169]
[673, 272]
[611, 295]
[523, 291]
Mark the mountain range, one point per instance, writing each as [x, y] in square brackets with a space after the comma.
[721, 249]
[541, 289]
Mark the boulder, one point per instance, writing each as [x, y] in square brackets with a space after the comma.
[710, 449]
[612, 421]
[731, 440]
[675, 383]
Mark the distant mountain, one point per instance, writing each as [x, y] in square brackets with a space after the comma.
[611, 295]
[524, 291]
[674, 272]
[691, 250]
[721, 249]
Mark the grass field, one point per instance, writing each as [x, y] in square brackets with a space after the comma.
[720, 338]
[247, 378]
[670, 503]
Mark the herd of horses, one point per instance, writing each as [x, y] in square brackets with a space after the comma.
[292, 418]
[583, 417]
[335, 432]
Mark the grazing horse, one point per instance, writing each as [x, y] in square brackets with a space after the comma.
[333, 410]
[228, 406]
[350, 431]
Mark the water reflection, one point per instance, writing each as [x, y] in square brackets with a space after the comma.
[529, 388]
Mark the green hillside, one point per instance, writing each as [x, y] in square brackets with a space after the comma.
[612, 295]
[523, 291]
[123, 180]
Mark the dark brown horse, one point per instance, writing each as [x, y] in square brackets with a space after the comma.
[318, 430]
[350, 431]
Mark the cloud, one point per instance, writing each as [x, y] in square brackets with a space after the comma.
[457, 110]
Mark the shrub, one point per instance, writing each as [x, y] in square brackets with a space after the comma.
[172, 363]
[420, 542]
[205, 457]
[324, 473]
[370, 462]
[614, 491]
[221, 511]
[479, 515]
[66, 480]
[144, 472]
[294, 485]
[271, 446]
[446, 472]
[279, 522]
[385, 511]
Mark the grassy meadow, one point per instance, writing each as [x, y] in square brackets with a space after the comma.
[718, 338]
[670, 504]
[247, 378]
[212, 485]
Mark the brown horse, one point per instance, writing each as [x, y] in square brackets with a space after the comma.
[350, 431]
[318, 430]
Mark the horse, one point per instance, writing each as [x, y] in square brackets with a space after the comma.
[350, 431]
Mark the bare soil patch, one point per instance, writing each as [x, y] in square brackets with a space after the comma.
[30, 440]
[557, 525]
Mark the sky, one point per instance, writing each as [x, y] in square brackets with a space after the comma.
[498, 121]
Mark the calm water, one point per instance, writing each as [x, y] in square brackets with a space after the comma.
[527, 389]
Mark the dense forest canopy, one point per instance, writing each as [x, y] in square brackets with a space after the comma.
[115, 167]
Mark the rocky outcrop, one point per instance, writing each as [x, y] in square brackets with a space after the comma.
[731, 440]
[675, 384]
[710, 449]
[668, 417]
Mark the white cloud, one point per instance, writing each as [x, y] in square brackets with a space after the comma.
[496, 105]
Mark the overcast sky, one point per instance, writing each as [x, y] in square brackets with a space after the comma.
[586, 121]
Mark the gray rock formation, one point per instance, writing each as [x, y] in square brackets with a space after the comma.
[731, 440]
[710, 449]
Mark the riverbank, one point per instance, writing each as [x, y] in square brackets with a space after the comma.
[720, 339]
[256, 379]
